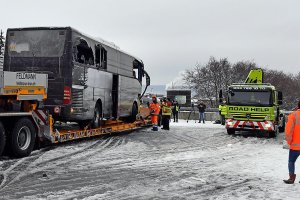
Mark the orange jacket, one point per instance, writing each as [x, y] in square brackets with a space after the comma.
[154, 108]
[292, 130]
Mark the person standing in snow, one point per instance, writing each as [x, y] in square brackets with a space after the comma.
[175, 110]
[201, 106]
[154, 111]
[166, 113]
[160, 114]
[292, 135]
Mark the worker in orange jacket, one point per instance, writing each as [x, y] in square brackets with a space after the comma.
[292, 134]
[154, 111]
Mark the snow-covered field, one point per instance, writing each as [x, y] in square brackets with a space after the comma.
[191, 161]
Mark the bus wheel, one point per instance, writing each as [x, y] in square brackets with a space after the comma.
[230, 131]
[83, 124]
[22, 138]
[97, 116]
[2, 138]
[134, 112]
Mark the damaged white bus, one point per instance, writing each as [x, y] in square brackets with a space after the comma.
[89, 79]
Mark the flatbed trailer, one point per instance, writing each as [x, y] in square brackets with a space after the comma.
[25, 123]
[110, 127]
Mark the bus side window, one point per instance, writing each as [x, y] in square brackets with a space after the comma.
[138, 70]
[103, 58]
[84, 52]
[97, 55]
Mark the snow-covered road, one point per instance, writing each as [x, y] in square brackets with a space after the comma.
[191, 161]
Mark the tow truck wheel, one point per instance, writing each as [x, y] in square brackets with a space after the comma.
[274, 133]
[2, 138]
[230, 131]
[22, 138]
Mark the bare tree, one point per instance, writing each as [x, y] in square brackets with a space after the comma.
[208, 79]
[2, 42]
[240, 71]
[287, 83]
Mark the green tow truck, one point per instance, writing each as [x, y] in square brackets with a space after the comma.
[253, 105]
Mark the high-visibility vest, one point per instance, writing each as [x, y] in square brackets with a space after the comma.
[222, 109]
[175, 108]
[166, 108]
[292, 130]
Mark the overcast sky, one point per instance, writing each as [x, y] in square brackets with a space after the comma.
[173, 35]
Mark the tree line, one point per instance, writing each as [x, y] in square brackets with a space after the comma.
[206, 80]
[2, 42]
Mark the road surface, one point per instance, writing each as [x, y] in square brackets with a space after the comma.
[191, 161]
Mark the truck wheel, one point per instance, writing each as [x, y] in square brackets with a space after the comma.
[2, 138]
[97, 116]
[22, 138]
[274, 133]
[230, 131]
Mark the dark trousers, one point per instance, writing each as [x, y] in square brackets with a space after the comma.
[293, 155]
[159, 120]
[175, 115]
[201, 117]
[222, 119]
[166, 122]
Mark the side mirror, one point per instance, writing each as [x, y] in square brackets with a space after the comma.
[220, 96]
[147, 79]
[279, 97]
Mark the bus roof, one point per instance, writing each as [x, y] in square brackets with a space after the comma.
[98, 39]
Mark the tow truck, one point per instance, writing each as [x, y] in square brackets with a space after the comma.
[25, 123]
[253, 105]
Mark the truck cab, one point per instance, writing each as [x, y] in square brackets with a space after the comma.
[253, 106]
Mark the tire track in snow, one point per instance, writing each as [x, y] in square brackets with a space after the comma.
[32, 167]
[9, 174]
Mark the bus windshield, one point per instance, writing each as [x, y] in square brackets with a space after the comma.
[36, 43]
[250, 98]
